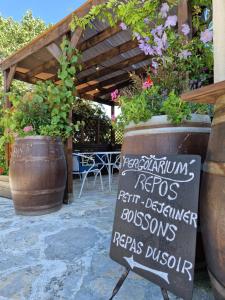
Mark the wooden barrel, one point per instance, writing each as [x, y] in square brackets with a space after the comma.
[213, 203]
[37, 175]
[158, 136]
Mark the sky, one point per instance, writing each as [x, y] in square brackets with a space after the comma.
[51, 11]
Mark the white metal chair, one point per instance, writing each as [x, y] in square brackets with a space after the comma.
[84, 164]
[117, 164]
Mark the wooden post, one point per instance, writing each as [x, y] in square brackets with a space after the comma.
[70, 161]
[8, 76]
[74, 38]
[184, 15]
[98, 132]
[219, 40]
[112, 129]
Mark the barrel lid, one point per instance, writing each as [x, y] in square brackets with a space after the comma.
[163, 119]
[37, 137]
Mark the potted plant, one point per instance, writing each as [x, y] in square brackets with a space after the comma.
[37, 125]
[179, 59]
[157, 121]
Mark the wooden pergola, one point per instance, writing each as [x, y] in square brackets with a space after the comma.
[108, 55]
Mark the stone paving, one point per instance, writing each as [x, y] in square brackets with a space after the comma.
[65, 255]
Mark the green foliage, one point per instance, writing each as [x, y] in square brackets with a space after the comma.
[46, 108]
[15, 35]
[86, 112]
[140, 105]
[133, 13]
[176, 109]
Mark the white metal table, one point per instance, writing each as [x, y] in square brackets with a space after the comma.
[106, 159]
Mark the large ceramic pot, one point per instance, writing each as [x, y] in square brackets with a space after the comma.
[159, 136]
[37, 175]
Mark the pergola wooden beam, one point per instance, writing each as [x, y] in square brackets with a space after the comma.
[116, 67]
[185, 15]
[112, 80]
[98, 100]
[54, 50]
[39, 69]
[110, 54]
[98, 38]
[75, 36]
[8, 77]
[49, 36]
[111, 89]
[207, 94]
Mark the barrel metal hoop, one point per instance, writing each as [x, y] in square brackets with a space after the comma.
[168, 130]
[218, 120]
[30, 209]
[153, 126]
[38, 192]
[214, 168]
[36, 158]
[218, 286]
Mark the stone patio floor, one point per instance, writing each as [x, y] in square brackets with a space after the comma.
[65, 255]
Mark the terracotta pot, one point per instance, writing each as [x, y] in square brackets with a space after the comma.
[37, 175]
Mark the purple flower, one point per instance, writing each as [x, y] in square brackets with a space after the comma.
[123, 26]
[155, 65]
[158, 41]
[171, 21]
[206, 36]
[137, 35]
[164, 10]
[164, 40]
[185, 29]
[158, 50]
[146, 48]
[146, 20]
[158, 30]
[185, 54]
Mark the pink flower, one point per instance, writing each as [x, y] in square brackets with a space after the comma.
[185, 29]
[28, 128]
[164, 10]
[115, 95]
[123, 26]
[113, 118]
[206, 36]
[147, 84]
[171, 21]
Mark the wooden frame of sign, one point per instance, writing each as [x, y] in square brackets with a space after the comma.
[155, 224]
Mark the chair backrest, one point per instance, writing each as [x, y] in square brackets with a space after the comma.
[83, 162]
[117, 163]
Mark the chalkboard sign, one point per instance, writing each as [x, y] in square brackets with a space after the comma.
[155, 223]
